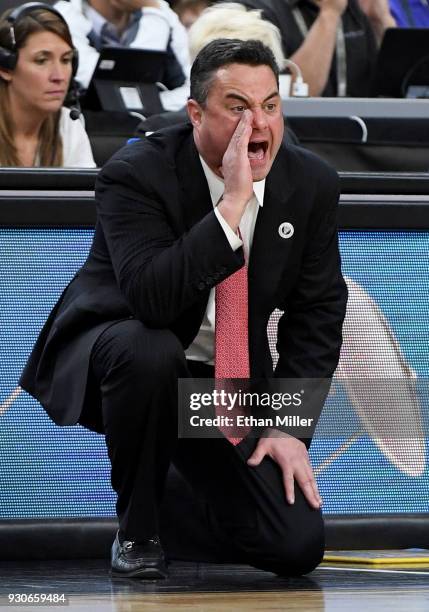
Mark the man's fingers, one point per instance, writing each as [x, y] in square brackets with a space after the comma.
[257, 456]
[289, 484]
[236, 169]
[295, 466]
[244, 123]
[307, 483]
[311, 477]
[314, 482]
[243, 130]
[310, 494]
[316, 492]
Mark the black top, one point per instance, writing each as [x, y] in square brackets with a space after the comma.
[361, 49]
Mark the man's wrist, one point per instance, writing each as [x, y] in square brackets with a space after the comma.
[329, 16]
[233, 202]
[232, 210]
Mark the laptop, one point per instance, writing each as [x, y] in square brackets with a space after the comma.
[402, 68]
[126, 80]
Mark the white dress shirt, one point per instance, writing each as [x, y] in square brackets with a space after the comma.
[202, 348]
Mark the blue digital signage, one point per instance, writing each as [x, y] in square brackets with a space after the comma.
[48, 471]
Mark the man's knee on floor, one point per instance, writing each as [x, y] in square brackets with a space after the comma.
[291, 553]
[300, 557]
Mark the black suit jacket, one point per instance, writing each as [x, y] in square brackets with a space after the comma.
[158, 249]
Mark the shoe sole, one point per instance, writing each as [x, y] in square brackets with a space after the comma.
[147, 573]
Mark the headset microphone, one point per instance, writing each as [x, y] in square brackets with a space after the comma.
[74, 113]
[72, 100]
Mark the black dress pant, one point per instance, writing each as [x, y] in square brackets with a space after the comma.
[211, 506]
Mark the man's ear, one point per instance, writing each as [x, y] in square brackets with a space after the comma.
[195, 112]
[6, 75]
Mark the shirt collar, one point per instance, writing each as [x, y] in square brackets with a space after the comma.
[94, 17]
[217, 186]
[98, 20]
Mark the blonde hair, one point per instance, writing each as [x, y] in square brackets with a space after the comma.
[232, 20]
[50, 151]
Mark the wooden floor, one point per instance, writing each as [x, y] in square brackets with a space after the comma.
[217, 588]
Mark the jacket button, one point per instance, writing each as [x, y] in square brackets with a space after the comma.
[201, 286]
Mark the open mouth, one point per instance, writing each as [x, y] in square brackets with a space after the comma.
[257, 150]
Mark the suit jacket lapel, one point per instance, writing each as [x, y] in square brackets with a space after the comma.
[194, 192]
[269, 249]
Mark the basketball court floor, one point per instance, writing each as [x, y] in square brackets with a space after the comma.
[88, 586]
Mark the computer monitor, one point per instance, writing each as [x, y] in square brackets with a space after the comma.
[402, 68]
[126, 80]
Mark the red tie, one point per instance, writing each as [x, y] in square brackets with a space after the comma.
[232, 336]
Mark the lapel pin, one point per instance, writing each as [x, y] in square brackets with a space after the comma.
[286, 230]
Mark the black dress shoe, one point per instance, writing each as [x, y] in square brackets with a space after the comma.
[138, 559]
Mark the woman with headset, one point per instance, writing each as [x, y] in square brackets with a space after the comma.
[37, 65]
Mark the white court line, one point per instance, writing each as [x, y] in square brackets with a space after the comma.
[379, 571]
[9, 401]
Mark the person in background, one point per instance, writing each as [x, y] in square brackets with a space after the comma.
[139, 24]
[334, 42]
[410, 13]
[35, 128]
[233, 20]
[190, 10]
